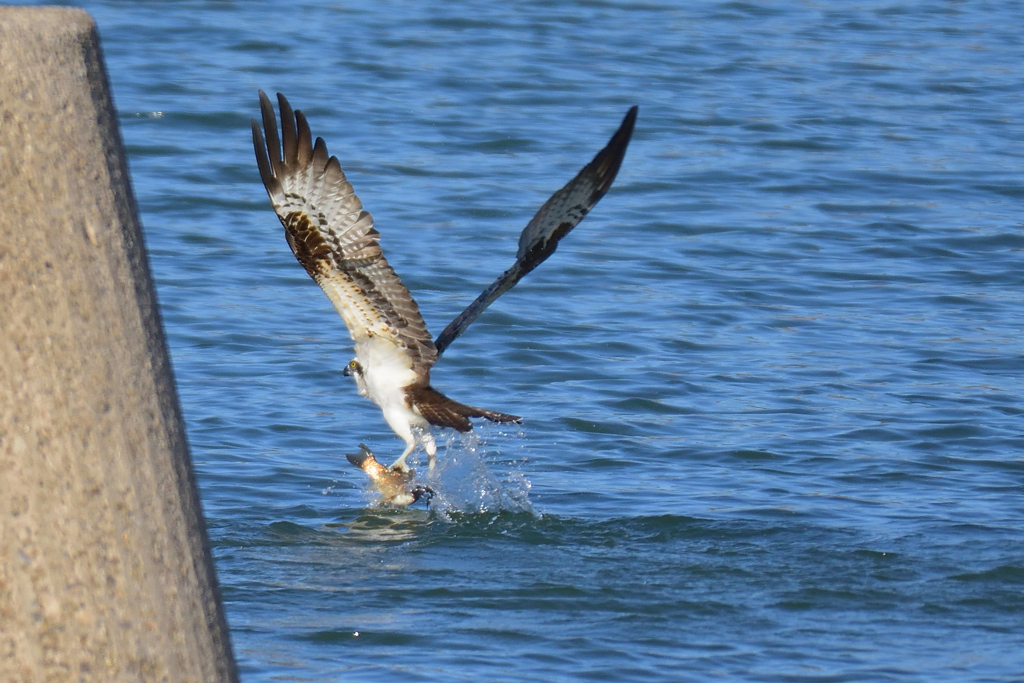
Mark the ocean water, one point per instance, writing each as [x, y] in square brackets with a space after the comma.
[771, 386]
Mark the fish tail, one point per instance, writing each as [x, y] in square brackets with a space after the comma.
[360, 459]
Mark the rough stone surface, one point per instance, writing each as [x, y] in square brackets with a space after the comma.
[105, 569]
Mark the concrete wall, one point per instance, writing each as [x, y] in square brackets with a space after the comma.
[105, 568]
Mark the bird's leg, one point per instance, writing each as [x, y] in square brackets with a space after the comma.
[399, 465]
[431, 448]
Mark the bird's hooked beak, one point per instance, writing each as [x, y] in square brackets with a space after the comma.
[347, 371]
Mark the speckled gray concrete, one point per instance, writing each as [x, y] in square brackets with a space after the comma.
[105, 568]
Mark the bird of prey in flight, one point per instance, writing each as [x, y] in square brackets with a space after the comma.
[333, 237]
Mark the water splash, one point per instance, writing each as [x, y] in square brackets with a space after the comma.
[472, 476]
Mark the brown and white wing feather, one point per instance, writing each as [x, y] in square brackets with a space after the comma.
[333, 237]
[559, 214]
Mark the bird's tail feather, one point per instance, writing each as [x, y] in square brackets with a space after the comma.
[441, 411]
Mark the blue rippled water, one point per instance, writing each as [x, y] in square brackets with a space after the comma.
[771, 386]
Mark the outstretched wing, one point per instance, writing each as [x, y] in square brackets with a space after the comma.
[560, 214]
[333, 237]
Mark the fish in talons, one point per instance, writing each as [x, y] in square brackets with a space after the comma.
[395, 485]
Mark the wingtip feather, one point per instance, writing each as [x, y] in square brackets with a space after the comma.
[271, 183]
[305, 141]
[608, 161]
[320, 154]
[270, 130]
[289, 136]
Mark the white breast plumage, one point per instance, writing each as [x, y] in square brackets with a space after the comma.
[386, 369]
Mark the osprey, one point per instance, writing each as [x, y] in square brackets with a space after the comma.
[333, 237]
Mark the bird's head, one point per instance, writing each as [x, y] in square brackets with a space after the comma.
[355, 371]
[353, 368]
